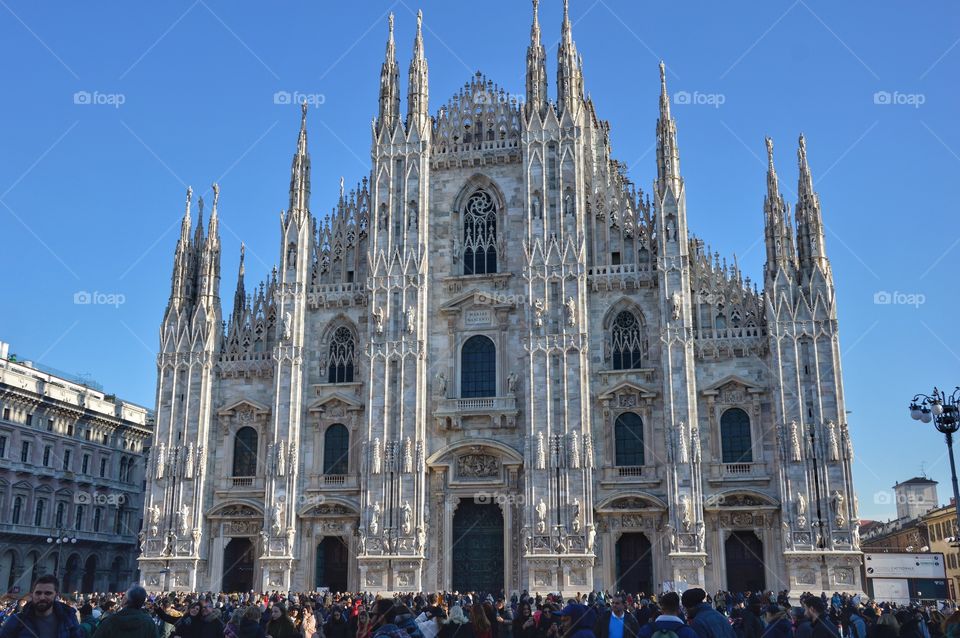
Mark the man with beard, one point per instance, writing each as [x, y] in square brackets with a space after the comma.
[44, 616]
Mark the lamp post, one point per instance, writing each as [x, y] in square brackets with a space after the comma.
[60, 539]
[944, 411]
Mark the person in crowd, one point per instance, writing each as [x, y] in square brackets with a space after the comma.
[280, 625]
[576, 621]
[364, 627]
[951, 625]
[232, 629]
[616, 622]
[87, 622]
[704, 619]
[308, 624]
[820, 623]
[668, 624]
[43, 616]
[480, 622]
[909, 623]
[778, 623]
[132, 621]
[250, 626]
[801, 623]
[189, 625]
[524, 624]
[337, 625]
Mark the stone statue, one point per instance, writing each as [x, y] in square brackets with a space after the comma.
[538, 309]
[374, 526]
[701, 536]
[406, 518]
[407, 456]
[574, 450]
[587, 450]
[682, 443]
[154, 514]
[411, 318]
[676, 305]
[142, 539]
[264, 543]
[188, 466]
[161, 460]
[361, 542]
[801, 504]
[795, 453]
[836, 504]
[292, 457]
[575, 522]
[591, 537]
[277, 518]
[541, 452]
[280, 465]
[441, 387]
[183, 519]
[834, 444]
[684, 512]
[541, 517]
[512, 381]
[421, 540]
[378, 320]
[287, 326]
[571, 307]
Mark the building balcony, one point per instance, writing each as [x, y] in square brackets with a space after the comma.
[233, 484]
[490, 412]
[738, 472]
[619, 276]
[333, 482]
[40, 534]
[633, 475]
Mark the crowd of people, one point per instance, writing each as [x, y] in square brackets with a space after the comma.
[47, 613]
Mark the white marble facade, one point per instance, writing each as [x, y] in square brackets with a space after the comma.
[497, 314]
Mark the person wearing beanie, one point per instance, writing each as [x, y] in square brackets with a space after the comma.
[704, 619]
[132, 621]
[668, 624]
[778, 623]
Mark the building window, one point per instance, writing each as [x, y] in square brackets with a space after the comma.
[245, 452]
[38, 513]
[103, 468]
[123, 471]
[106, 439]
[85, 464]
[6, 414]
[17, 509]
[628, 439]
[70, 430]
[480, 235]
[478, 368]
[336, 445]
[735, 437]
[49, 425]
[59, 515]
[626, 341]
[342, 356]
[46, 456]
[66, 460]
[78, 522]
[97, 515]
[25, 452]
[29, 419]
[86, 434]
[3, 447]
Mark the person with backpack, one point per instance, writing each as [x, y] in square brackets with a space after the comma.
[616, 622]
[669, 624]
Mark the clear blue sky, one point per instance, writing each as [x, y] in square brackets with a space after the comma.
[91, 194]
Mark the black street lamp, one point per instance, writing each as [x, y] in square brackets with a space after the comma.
[945, 412]
[60, 539]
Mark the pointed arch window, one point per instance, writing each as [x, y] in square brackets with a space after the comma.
[245, 452]
[735, 443]
[626, 341]
[336, 446]
[480, 235]
[343, 349]
[478, 368]
[17, 509]
[628, 440]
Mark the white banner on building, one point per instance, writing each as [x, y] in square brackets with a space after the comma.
[891, 590]
[904, 566]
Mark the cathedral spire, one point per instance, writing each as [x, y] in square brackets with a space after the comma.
[300, 171]
[778, 229]
[536, 67]
[240, 296]
[179, 286]
[668, 155]
[389, 86]
[569, 70]
[811, 250]
[418, 113]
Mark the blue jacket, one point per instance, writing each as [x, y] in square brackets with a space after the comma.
[710, 623]
[22, 625]
[779, 628]
[665, 622]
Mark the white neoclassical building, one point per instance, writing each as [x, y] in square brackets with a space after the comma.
[500, 364]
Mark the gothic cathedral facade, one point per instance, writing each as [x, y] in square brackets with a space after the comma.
[498, 364]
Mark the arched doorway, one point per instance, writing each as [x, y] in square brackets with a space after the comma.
[477, 547]
[634, 563]
[745, 568]
[331, 564]
[238, 560]
[89, 574]
[71, 573]
[8, 570]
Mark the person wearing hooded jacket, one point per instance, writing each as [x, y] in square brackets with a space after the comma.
[457, 625]
[669, 620]
[130, 622]
[778, 624]
[577, 621]
[704, 619]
